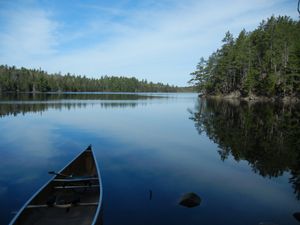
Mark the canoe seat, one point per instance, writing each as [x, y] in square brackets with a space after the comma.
[63, 199]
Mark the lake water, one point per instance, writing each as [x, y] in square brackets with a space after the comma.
[242, 160]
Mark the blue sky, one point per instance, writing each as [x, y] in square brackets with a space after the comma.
[161, 41]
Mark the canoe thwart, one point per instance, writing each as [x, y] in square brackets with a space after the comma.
[75, 179]
[73, 187]
[63, 205]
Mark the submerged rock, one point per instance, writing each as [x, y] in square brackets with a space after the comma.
[190, 200]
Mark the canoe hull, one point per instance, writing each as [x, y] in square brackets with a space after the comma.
[72, 197]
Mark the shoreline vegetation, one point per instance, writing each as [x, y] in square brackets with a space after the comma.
[252, 98]
[261, 65]
[17, 80]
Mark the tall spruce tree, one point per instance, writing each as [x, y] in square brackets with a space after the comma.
[264, 62]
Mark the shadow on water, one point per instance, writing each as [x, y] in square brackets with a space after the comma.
[264, 134]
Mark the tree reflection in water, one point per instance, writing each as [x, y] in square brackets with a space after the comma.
[22, 103]
[264, 134]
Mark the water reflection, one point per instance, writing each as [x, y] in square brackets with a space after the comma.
[14, 104]
[264, 134]
[148, 156]
[16, 109]
[76, 96]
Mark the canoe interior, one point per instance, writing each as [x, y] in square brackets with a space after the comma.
[83, 166]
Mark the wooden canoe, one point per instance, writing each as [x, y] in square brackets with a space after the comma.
[72, 196]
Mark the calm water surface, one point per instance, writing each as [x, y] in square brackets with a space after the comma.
[242, 160]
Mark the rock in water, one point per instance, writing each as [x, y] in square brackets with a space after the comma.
[297, 216]
[190, 200]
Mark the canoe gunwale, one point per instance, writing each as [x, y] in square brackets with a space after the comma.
[100, 189]
[88, 149]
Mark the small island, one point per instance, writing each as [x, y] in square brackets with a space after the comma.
[263, 64]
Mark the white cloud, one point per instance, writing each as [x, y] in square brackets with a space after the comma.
[160, 42]
[30, 35]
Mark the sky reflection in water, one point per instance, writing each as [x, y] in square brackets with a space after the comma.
[142, 143]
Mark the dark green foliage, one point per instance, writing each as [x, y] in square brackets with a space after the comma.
[13, 79]
[264, 62]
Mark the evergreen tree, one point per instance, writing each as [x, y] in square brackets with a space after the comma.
[264, 62]
[13, 79]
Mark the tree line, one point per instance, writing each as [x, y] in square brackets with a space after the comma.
[264, 62]
[14, 79]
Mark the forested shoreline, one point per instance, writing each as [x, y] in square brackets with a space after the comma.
[261, 63]
[14, 79]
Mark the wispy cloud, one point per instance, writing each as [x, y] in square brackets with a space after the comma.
[160, 41]
[28, 35]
